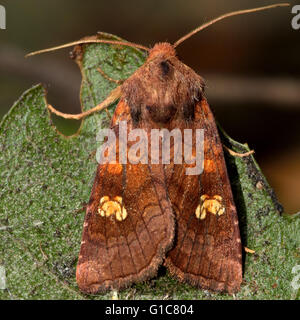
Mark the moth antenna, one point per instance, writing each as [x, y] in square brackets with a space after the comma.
[113, 96]
[238, 154]
[227, 15]
[71, 44]
[107, 77]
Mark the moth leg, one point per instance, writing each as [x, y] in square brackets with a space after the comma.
[107, 77]
[249, 250]
[113, 96]
[45, 257]
[237, 154]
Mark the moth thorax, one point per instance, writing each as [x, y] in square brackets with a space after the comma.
[162, 48]
[162, 114]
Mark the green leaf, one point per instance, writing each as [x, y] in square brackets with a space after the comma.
[46, 178]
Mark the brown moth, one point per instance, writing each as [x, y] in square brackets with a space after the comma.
[145, 214]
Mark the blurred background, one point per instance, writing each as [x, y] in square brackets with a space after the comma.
[250, 63]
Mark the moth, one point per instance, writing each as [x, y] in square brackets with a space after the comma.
[143, 215]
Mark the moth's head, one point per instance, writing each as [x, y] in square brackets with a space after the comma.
[161, 62]
[163, 88]
[162, 49]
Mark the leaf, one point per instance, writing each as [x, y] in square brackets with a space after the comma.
[46, 178]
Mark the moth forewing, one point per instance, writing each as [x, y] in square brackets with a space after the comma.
[129, 224]
[207, 252]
